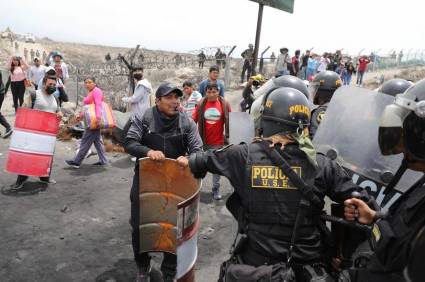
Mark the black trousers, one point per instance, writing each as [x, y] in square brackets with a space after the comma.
[247, 67]
[18, 91]
[169, 264]
[3, 120]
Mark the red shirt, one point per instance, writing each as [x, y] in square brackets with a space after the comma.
[214, 123]
[363, 64]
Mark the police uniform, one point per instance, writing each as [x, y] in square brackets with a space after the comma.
[401, 130]
[317, 116]
[174, 137]
[267, 199]
[322, 89]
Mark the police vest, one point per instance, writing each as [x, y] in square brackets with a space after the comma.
[270, 197]
[392, 236]
[173, 144]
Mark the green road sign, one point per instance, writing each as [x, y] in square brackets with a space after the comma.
[284, 5]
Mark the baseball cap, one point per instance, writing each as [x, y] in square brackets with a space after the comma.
[166, 88]
[49, 69]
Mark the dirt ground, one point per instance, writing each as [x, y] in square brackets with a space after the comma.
[78, 230]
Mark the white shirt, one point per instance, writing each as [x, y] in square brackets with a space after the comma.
[140, 100]
[35, 74]
[45, 102]
[323, 64]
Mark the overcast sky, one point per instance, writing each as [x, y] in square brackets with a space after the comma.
[188, 25]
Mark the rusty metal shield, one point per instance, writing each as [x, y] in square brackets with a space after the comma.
[169, 212]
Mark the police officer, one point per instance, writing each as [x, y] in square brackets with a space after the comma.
[402, 130]
[268, 201]
[322, 89]
[162, 132]
[395, 86]
[415, 271]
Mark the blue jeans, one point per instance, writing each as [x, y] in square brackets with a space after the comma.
[347, 79]
[360, 77]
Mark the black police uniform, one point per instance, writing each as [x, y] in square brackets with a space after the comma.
[174, 137]
[392, 236]
[270, 202]
[316, 118]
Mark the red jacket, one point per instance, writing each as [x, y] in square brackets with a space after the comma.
[363, 64]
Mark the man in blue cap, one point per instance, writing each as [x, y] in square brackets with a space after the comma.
[161, 132]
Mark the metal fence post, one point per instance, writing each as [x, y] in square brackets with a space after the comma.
[227, 69]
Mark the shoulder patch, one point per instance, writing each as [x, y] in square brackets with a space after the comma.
[320, 116]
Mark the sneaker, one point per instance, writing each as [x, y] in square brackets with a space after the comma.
[216, 194]
[71, 163]
[7, 133]
[143, 274]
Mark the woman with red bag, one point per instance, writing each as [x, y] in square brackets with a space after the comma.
[91, 136]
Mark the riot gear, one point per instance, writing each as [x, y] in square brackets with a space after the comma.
[285, 110]
[402, 126]
[414, 271]
[272, 84]
[323, 86]
[395, 86]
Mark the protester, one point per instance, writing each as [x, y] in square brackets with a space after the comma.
[61, 95]
[201, 59]
[349, 71]
[212, 116]
[304, 63]
[162, 132]
[212, 78]
[295, 63]
[3, 121]
[17, 67]
[140, 100]
[248, 60]
[282, 62]
[324, 62]
[61, 74]
[36, 73]
[363, 62]
[312, 65]
[190, 98]
[90, 136]
[42, 100]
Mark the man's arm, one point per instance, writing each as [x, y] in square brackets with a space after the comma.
[133, 141]
[138, 94]
[338, 185]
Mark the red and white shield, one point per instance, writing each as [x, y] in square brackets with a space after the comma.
[33, 143]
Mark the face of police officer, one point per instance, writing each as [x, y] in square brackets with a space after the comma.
[168, 105]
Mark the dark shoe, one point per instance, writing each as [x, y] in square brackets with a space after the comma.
[71, 163]
[168, 278]
[47, 180]
[8, 133]
[143, 274]
[99, 164]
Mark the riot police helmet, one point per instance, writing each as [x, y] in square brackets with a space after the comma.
[323, 86]
[402, 125]
[395, 86]
[284, 111]
[292, 82]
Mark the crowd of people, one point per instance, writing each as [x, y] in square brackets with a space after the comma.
[280, 180]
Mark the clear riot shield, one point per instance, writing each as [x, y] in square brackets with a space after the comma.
[349, 133]
[169, 213]
[241, 128]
